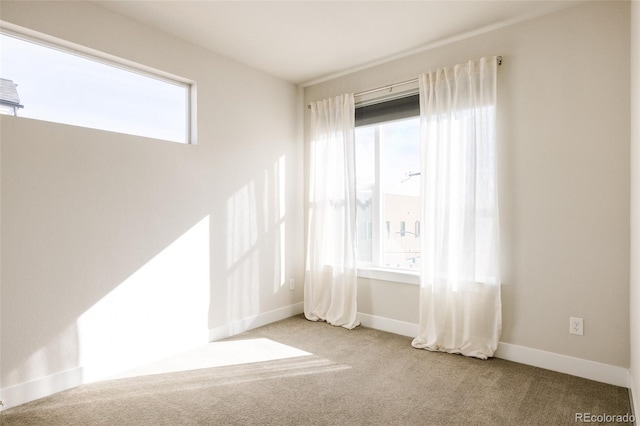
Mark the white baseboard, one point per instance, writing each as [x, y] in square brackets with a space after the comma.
[386, 324]
[633, 397]
[39, 388]
[605, 373]
[239, 326]
[619, 376]
[592, 370]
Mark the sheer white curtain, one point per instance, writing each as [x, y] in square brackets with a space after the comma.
[330, 280]
[460, 309]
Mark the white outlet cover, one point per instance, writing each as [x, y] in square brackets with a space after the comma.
[576, 326]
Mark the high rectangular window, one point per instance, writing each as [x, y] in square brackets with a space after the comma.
[53, 83]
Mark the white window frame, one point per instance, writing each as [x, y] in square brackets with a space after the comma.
[392, 275]
[370, 270]
[81, 51]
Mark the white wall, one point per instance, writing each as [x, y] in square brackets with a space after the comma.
[635, 205]
[564, 171]
[119, 249]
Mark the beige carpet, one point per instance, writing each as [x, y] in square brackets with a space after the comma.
[296, 372]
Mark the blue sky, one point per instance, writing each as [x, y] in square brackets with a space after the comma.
[57, 86]
[400, 155]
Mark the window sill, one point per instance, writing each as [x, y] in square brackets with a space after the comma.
[393, 275]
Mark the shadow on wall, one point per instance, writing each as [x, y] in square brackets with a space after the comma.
[77, 304]
[160, 309]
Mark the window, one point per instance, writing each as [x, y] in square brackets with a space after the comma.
[56, 84]
[388, 184]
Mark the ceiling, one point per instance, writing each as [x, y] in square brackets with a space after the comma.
[307, 41]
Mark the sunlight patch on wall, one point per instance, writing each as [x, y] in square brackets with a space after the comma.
[243, 255]
[160, 310]
[280, 193]
[242, 230]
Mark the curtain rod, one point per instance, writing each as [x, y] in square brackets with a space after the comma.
[391, 86]
[413, 80]
[387, 87]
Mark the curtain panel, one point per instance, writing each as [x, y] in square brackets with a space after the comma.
[330, 285]
[460, 307]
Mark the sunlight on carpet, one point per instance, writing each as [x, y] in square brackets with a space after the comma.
[218, 354]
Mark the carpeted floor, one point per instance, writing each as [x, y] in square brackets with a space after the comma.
[323, 375]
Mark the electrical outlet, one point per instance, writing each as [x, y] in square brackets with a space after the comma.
[292, 284]
[576, 326]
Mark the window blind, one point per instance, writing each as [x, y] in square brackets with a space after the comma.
[388, 110]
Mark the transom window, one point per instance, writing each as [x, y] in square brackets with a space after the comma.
[52, 83]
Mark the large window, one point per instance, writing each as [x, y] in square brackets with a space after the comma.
[388, 184]
[53, 83]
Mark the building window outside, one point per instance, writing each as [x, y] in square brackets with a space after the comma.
[388, 193]
[79, 89]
